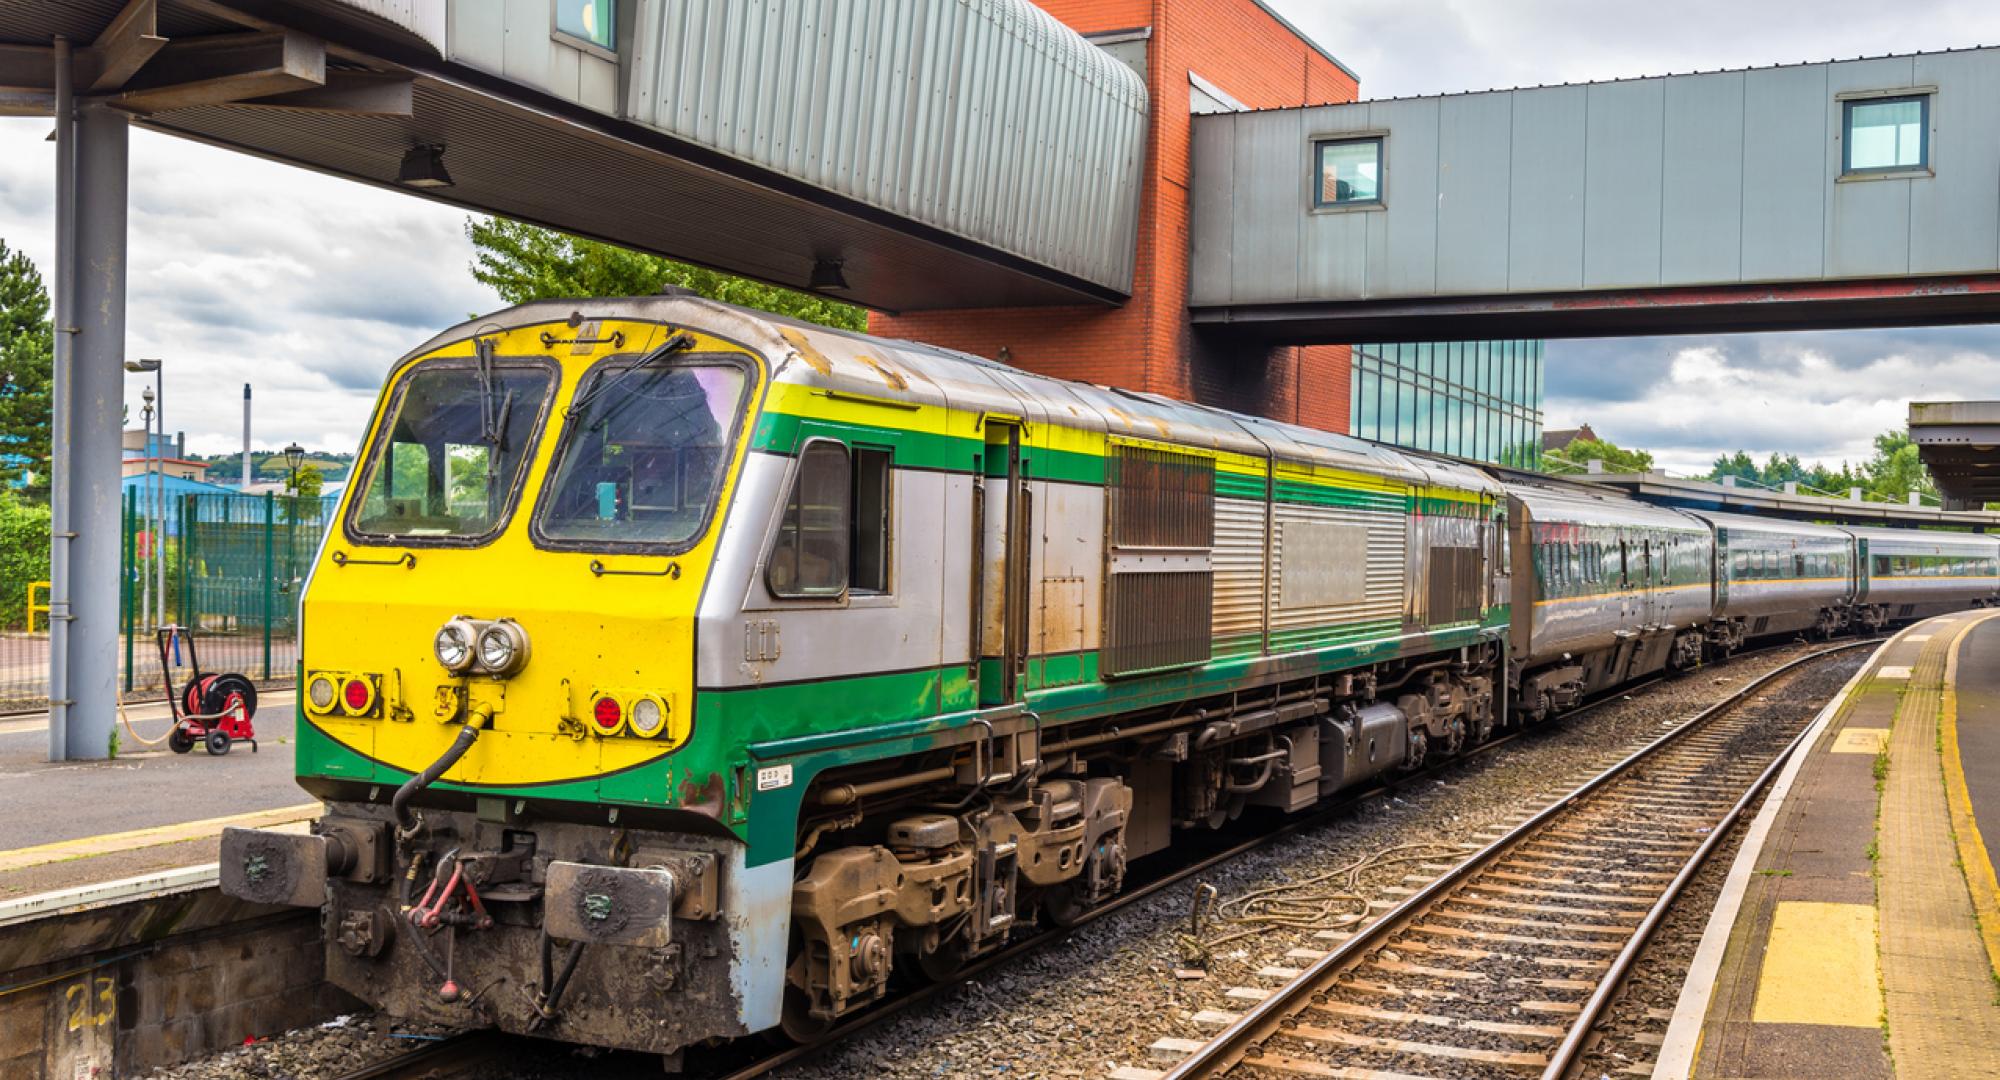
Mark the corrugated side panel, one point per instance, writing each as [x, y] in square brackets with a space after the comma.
[1238, 558]
[1302, 627]
[986, 118]
[424, 18]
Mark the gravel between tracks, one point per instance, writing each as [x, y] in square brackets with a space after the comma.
[1099, 999]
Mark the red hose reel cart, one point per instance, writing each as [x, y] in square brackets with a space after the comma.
[211, 709]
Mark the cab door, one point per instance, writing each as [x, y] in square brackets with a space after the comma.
[1004, 516]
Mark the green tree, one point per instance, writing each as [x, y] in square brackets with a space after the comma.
[302, 490]
[1739, 465]
[1896, 470]
[24, 556]
[523, 263]
[1580, 453]
[27, 367]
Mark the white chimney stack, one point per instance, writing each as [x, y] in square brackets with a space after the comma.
[246, 437]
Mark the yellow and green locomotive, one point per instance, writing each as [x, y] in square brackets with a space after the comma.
[675, 672]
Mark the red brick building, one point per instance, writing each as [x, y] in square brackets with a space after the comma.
[1196, 53]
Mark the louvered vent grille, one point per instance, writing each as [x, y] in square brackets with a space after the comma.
[1454, 585]
[1161, 582]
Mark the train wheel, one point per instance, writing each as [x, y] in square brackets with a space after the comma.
[798, 1022]
[1066, 904]
[942, 963]
[1420, 745]
[1454, 737]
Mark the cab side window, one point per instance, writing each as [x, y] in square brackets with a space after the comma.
[835, 535]
[810, 557]
[870, 538]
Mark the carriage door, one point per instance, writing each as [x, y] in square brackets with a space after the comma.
[1003, 518]
[1653, 570]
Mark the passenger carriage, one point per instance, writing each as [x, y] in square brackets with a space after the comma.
[1610, 590]
[1913, 575]
[1774, 577]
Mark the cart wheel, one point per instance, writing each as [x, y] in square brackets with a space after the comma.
[218, 742]
[180, 742]
[216, 691]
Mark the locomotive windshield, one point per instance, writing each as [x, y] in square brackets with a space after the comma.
[448, 461]
[644, 456]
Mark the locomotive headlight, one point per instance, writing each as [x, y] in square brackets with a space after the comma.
[454, 644]
[319, 693]
[503, 648]
[649, 717]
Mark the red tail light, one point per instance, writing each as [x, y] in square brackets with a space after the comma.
[608, 713]
[357, 694]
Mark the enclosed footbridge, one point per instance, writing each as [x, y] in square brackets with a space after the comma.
[1858, 193]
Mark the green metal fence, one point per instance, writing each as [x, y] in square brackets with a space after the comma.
[233, 569]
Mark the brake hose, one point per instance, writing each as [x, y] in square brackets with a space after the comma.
[481, 716]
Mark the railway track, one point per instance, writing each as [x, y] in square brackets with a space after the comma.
[457, 1053]
[1503, 965]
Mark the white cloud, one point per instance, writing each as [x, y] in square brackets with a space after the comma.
[244, 270]
[1719, 398]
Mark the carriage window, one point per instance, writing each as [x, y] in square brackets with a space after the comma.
[643, 454]
[810, 557]
[870, 541]
[1740, 561]
[449, 458]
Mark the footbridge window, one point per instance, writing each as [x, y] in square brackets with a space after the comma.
[1349, 172]
[1886, 134]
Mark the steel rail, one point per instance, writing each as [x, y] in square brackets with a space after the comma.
[460, 1050]
[1261, 1021]
[1571, 1049]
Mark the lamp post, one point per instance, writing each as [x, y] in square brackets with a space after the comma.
[294, 456]
[155, 397]
[146, 511]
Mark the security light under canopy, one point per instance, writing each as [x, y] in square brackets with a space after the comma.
[423, 167]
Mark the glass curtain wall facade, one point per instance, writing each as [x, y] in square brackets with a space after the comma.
[1470, 399]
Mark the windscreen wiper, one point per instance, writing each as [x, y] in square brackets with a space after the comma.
[679, 342]
[493, 418]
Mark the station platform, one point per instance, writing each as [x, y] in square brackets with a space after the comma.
[76, 826]
[1858, 932]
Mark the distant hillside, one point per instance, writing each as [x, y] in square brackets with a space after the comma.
[271, 466]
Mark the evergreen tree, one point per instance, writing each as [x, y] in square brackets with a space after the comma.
[27, 367]
[526, 263]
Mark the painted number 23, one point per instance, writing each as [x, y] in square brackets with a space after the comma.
[91, 1010]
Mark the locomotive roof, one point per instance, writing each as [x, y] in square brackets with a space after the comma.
[892, 369]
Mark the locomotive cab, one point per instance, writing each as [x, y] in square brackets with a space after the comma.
[497, 673]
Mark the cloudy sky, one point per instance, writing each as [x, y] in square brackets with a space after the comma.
[307, 286]
[1822, 396]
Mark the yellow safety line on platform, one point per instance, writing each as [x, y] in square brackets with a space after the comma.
[1972, 854]
[114, 843]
